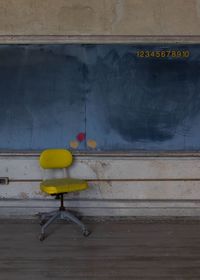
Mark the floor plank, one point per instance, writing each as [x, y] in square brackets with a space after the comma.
[115, 250]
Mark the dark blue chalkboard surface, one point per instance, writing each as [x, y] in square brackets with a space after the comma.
[123, 97]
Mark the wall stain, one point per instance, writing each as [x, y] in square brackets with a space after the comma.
[99, 167]
[118, 13]
[78, 16]
[23, 195]
[40, 193]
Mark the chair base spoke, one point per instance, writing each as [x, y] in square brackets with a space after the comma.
[47, 219]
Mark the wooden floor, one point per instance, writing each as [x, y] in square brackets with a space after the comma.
[128, 250]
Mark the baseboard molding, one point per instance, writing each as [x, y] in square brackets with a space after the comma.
[103, 208]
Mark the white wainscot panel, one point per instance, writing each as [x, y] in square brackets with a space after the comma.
[21, 168]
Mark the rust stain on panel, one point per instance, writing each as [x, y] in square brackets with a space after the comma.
[23, 195]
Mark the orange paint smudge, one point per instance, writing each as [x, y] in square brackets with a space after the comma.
[74, 144]
[91, 144]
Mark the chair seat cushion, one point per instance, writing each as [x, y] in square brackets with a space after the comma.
[56, 186]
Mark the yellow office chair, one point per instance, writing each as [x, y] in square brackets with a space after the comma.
[53, 159]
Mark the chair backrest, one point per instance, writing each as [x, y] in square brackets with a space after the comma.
[55, 158]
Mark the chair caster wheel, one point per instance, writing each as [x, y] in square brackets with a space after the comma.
[42, 236]
[86, 232]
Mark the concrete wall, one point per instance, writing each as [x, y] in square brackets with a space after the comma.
[100, 17]
[120, 185]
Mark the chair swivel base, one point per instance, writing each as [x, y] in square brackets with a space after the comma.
[48, 218]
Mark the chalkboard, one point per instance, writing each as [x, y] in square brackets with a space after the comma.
[120, 96]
